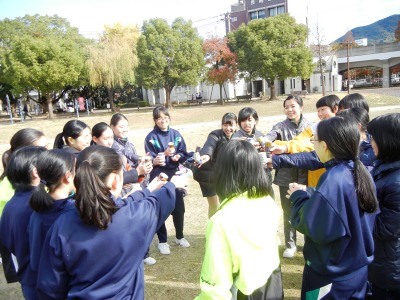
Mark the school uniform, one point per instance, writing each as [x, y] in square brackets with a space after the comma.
[14, 237]
[39, 225]
[126, 148]
[203, 175]
[338, 235]
[384, 271]
[157, 141]
[285, 131]
[80, 261]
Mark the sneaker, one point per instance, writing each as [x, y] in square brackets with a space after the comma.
[149, 261]
[182, 242]
[289, 252]
[164, 248]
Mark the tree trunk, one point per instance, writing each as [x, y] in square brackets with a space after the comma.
[272, 88]
[321, 69]
[168, 103]
[49, 102]
[220, 95]
[110, 93]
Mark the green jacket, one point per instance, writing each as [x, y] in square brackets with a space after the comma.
[7, 192]
[241, 247]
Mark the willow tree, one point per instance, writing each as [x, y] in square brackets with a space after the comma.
[41, 53]
[112, 61]
[273, 48]
[169, 55]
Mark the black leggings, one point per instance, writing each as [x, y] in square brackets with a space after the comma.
[178, 218]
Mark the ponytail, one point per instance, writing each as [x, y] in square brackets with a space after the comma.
[365, 188]
[59, 141]
[40, 200]
[93, 198]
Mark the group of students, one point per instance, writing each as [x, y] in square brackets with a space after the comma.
[80, 227]
[339, 183]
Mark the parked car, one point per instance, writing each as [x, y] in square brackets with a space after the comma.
[360, 82]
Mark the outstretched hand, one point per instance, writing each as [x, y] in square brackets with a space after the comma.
[156, 184]
[181, 182]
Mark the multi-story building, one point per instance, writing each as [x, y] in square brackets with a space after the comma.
[244, 11]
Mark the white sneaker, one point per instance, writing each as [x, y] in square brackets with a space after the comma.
[182, 242]
[289, 252]
[164, 248]
[149, 261]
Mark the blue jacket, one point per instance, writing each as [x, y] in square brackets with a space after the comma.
[39, 225]
[157, 141]
[338, 235]
[310, 160]
[14, 234]
[83, 262]
[384, 271]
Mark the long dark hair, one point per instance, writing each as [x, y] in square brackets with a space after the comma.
[358, 114]
[240, 170]
[73, 129]
[385, 132]
[21, 164]
[342, 138]
[93, 198]
[52, 166]
[22, 138]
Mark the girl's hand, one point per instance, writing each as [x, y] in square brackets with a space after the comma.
[204, 158]
[176, 157]
[181, 182]
[278, 149]
[295, 187]
[159, 160]
[155, 184]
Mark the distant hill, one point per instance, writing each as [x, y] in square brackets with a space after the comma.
[381, 31]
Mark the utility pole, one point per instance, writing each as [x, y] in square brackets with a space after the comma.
[348, 69]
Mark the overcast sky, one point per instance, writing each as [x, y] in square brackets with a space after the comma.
[335, 18]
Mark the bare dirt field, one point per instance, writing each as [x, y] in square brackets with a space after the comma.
[176, 276]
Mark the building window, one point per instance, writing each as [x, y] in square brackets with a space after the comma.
[259, 14]
[274, 11]
[253, 15]
[234, 19]
[260, 1]
[251, 2]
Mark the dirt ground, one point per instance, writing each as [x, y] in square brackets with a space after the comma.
[176, 276]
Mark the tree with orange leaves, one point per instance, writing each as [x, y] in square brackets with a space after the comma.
[220, 62]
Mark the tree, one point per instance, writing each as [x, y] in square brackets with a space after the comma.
[169, 55]
[272, 48]
[322, 52]
[221, 62]
[113, 60]
[41, 53]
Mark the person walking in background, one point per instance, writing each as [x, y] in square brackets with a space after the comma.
[75, 137]
[241, 252]
[208, 155]
[26, 110]
[337, 218]
[384, 271]
[96, 251]
[23, 175]
[168, 149]
[286, 130]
